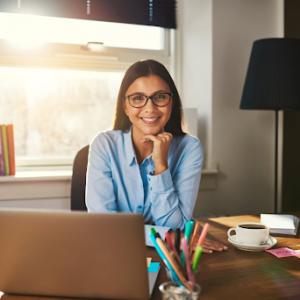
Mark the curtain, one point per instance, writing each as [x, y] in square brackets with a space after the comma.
[160, 13]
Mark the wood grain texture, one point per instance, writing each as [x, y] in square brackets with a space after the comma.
[235, 274]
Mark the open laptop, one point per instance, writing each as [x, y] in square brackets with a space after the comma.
[73, 254]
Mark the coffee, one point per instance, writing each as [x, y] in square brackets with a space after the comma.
[252, 227]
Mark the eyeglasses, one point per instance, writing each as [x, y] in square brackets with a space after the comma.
[139, 100]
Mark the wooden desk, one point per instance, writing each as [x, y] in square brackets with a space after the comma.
[235, 274]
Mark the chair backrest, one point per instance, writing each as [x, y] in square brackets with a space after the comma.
[79, 179]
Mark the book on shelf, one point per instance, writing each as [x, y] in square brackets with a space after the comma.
[11, 149]
[5, 149]
[2, 166]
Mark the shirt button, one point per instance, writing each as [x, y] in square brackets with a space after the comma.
[151, 188]
[139, 207]
[149, 179]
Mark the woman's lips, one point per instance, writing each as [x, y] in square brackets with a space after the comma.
[150, 120]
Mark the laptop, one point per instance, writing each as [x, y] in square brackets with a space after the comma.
[73, 254]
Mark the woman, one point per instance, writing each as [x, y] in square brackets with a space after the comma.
[147, 164]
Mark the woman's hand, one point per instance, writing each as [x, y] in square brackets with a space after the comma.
[209, 246]
[161, 146]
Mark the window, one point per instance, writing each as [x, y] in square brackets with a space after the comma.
[56, 112]
[29, 29]
[59, 93]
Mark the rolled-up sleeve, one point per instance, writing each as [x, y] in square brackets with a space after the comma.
[100, 195]
[173, 197]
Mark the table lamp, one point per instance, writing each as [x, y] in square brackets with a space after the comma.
[273, 81]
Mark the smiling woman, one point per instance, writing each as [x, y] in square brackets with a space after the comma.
[147, 164]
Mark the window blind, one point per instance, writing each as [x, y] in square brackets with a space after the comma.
[160, 13]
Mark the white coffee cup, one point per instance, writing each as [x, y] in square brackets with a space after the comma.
[250, 233]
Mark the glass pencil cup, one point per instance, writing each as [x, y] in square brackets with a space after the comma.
[171, 290]
[196, 274]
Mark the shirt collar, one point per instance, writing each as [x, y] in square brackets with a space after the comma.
[129, 150]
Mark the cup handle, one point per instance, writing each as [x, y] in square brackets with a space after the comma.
[229, 231]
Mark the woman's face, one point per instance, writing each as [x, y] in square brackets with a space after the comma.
[149, 119]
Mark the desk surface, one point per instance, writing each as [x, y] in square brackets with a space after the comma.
[236, 274]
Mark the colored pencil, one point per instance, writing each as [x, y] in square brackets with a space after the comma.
[173, 264]
[185, 250]
[194, 234]
[170, 243]
[202, 237]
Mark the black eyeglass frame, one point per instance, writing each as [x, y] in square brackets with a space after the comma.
[150, 97]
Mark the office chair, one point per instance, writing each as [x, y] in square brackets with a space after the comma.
[79, 179]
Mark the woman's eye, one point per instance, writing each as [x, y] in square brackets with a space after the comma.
[138, 98]
[160, 96]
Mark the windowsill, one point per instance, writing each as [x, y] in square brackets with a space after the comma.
[55, 183]
[39, 174]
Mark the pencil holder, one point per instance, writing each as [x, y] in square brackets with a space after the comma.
[172, 291]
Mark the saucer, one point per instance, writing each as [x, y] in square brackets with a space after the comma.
[269, 244]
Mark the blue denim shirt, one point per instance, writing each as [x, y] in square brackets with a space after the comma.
[116, 182]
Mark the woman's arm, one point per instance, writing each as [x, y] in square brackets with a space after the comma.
[100, 196]
[173, 198]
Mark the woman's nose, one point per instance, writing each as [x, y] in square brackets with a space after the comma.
[150, 106]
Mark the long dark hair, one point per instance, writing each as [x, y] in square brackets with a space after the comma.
[146, 68]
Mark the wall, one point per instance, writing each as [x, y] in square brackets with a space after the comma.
[242, 142]
[195, 25]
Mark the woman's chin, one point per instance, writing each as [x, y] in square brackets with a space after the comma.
[152, 131]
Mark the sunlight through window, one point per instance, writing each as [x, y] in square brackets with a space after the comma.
[28, 29]
[56, 112]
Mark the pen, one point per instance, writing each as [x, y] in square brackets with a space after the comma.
[177, 260]
[187, 234]
[174, 275]
[194, 235]
[177, 240]
[170, 243]
[202, 237]
[184, 244]
[153, 231]
[157, 235]
[188, 230]
[173, 264]
[197, 258]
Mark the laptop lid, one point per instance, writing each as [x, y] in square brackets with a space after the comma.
[73, 254]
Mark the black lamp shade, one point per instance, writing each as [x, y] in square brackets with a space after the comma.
[273, 76]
